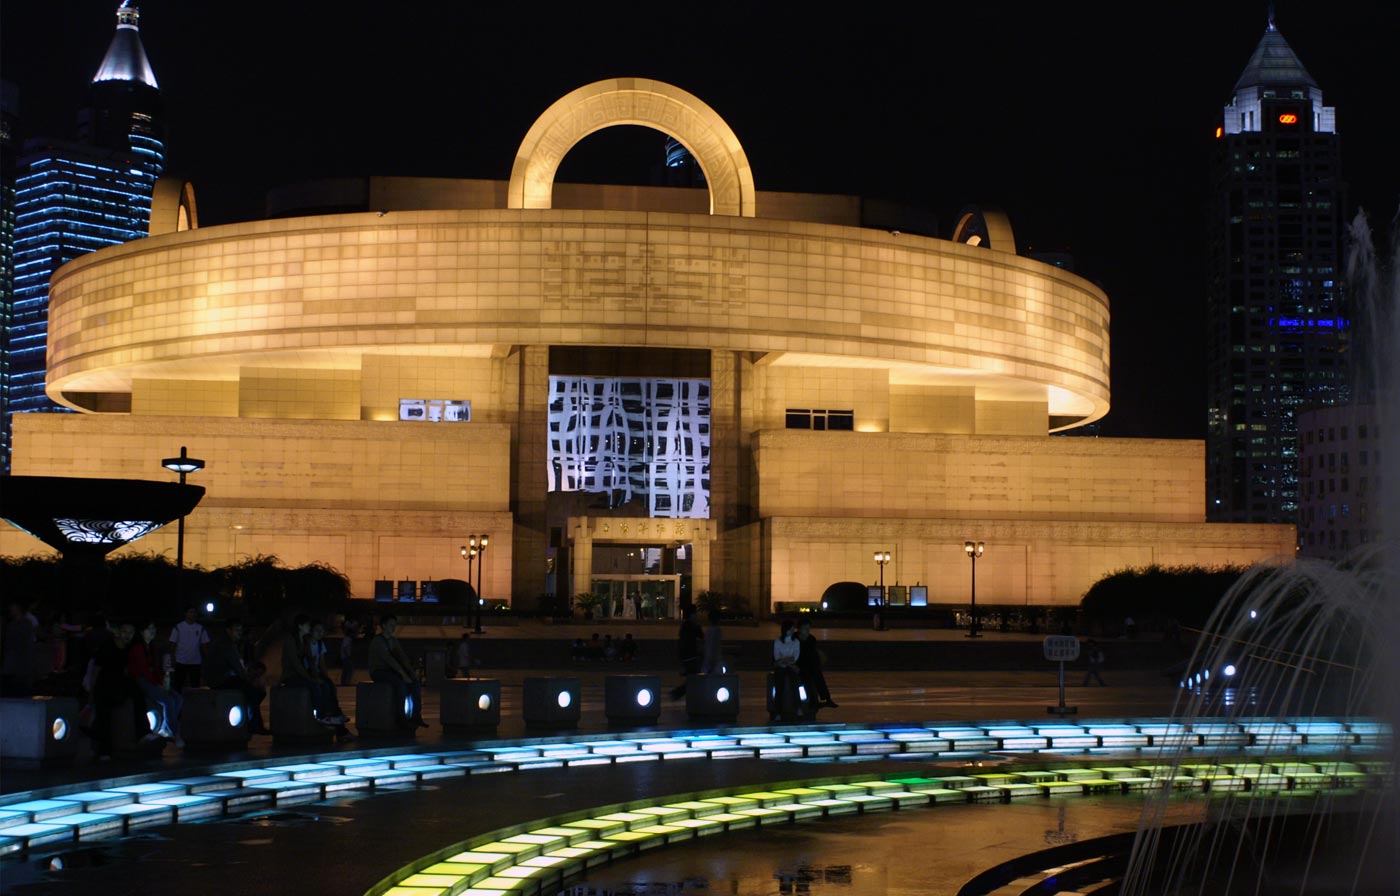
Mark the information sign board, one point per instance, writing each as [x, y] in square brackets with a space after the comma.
[1064, 648]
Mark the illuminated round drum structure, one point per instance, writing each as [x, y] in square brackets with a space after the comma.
[798, 378]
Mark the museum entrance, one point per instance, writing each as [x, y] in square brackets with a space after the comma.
[642, 597]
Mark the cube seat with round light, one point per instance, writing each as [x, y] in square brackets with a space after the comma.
[712, 698]
[292, 718]
[215, 719]
[632, 699]
[551, 702]
[471, 704]
[384, 708]
[793, 704]
[37, 731]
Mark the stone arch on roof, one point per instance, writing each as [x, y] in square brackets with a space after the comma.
[634, 101]
[172, 207]
[987, 227]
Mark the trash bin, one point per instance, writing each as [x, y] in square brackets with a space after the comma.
[435, 666]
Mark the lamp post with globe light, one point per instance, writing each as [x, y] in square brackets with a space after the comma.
[974, 550]
[184, 465]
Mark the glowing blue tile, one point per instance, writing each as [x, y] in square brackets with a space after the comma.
[1009, 731]
[303, 770]
[39, 834]
[43, 810]
[9, 817]
[411, 759]
[259, 775]
[92, 824]
[99, 800]
[384, 777]
[200, 783]
[139, 815]
[433, 772]
[10, 844]
[733, 753]
[639, 756]
[189, 807]
[779, 752]
[367, 765]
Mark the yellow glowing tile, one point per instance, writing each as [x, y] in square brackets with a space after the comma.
[430, 880]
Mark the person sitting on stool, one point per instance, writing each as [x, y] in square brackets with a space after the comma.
[389, 664]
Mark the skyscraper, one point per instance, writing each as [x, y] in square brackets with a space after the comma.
[74, 197]
[1277, 319]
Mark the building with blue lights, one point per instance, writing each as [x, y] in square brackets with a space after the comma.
[75, 197]
[1277, 317]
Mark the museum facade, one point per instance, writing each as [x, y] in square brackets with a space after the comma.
[651, 392]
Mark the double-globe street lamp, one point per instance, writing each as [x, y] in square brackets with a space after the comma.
[974, 550]
[882, 558]
[184, 465]
[473, 550]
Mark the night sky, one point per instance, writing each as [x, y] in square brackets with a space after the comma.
[1090, 123]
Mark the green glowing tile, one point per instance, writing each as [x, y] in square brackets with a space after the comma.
[733, 821]
[700, 826]
[537, 839]
[667, 833]
[804, 793]
[598, 827]
[456, 869]
[1266, 781]
[1061, 788]
[767, 798]
[503, 884]
[1198, 770]
[1226, 783]
[1039, 777]
[958, 782]
[489, 861]
[630, 819]
[1294, 768]
[1075, 774]
[870, 802]
[1333, 768]
[731, 802]
[664, 813]
[831, 807]
[763, 814]
[627, 837]
[441, 881]
[697, 808]
[569, 834]
[1116, 772]
[1142, 783]
[564, 854]
[995, 778]
[903, 782]
[841, 790]
[519, 850]
[937, 795]
[1309, 780]
[481, 891]
[982, 793]
[1101, 785]
[880, 786]
[1246, 769]
[1019, 791]
[545, 861]
[797, 811]
[520, 872]
[415, 891]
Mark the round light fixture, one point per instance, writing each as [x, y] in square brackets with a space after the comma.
[209, 607]
[408, 706]
[722, 695]
[1229, 670]
[644, 697]
[483, 702]
[60, 728]
[235, 716]
[565, 698]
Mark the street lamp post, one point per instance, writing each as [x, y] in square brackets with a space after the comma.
[974, 550]
[184, 465]
[882, 558]
[480, 554]
[469, 554]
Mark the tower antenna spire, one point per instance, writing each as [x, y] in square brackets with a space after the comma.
[1271, 16]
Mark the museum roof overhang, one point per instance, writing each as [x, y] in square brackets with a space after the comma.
[322, 292]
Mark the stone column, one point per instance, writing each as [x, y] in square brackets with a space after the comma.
[529, 451]
[582, 553]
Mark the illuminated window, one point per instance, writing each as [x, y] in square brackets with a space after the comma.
[820, 419]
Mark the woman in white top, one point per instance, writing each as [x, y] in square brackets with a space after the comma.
[786, 649]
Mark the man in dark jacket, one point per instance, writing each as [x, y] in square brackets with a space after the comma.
[809, 665]
[224, 668]
[688, 643]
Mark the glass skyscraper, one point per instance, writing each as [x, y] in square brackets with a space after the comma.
[1278, 327]
[75, 197]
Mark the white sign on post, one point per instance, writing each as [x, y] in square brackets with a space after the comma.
[1064, 648]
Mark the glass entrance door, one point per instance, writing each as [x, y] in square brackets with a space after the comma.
[637, 596]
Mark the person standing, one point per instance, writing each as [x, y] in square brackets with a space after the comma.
[712, 661]
[347, 653]
[190, 640]
[688, 647]
[462, 657]
[1093, 654]
[389, 664]
[809, 665]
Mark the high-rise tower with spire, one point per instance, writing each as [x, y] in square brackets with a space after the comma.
[1278, 326]
[74, 197]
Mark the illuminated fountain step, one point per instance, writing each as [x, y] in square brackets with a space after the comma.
[112, 811]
